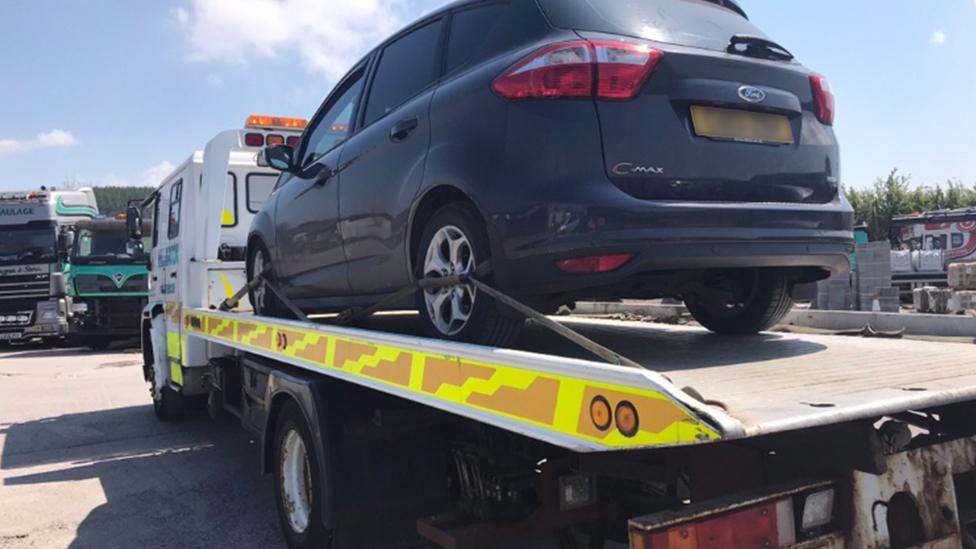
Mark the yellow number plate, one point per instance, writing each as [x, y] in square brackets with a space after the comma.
[739, 125]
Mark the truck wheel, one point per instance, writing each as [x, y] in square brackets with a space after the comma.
[298, 481]
[262, 299]
[454, 242]
[752, 301]
[167, 404]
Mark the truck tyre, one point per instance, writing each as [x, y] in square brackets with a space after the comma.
[298, 482]
[454, 242]
[168, 404]
[762, 300]
[262, 300]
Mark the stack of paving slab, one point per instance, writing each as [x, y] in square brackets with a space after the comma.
[835, 294]
[962, 281]
[874, 287]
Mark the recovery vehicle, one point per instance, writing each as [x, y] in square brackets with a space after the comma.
[675, 438]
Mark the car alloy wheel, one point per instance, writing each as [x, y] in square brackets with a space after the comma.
[259, 294]
[450, 254]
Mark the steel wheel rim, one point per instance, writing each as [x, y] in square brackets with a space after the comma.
[259, 293]
[296, 481]
[450, 254]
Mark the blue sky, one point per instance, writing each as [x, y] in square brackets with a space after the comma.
[117, 92]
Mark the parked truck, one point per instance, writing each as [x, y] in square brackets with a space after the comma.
[34, 303]
[377, 437]
[108, 281]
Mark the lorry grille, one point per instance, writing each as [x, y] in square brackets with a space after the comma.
[25, 286]
[97, 284]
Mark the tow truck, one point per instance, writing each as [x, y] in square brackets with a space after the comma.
[593, 433]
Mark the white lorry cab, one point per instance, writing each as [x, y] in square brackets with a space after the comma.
[377, 437]
[198, 263]
[34, 301]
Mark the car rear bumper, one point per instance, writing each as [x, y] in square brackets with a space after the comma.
[666, 237]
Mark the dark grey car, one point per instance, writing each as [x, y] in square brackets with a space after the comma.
[582, 150]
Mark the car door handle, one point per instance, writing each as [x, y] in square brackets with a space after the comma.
[402, 130]
[324, 175]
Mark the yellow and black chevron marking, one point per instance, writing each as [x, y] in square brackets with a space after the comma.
[603, 414]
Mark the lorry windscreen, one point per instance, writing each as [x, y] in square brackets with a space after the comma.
[113, 246]
[28, 244]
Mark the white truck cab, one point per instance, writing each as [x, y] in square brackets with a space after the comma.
[194, 262]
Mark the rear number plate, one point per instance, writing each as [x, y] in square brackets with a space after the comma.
[739, 125]
[11, 336]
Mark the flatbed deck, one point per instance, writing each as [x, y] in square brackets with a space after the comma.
[546, 388]
[780, 382]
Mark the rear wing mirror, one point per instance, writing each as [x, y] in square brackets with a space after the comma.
[281, 158]
[133, 222]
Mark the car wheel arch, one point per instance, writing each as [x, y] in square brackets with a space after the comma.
[429, 202]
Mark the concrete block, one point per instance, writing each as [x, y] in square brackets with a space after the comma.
[962, 276]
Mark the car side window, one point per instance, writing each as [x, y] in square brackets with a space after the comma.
[469, 31]
[335, 125]
[175, 205]
[406, 67]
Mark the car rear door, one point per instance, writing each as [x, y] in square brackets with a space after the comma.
[383, 164]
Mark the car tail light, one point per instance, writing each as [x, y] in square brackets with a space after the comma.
[823, 98]
[294, 141]
[594, 264]
[769, 525]
[254, 140]
[580, 69]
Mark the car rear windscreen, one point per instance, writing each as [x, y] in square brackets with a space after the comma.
[695, 23]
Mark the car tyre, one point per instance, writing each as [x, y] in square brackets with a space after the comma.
[262, 300]
[454, 242]
[297, 482]
[766, 302]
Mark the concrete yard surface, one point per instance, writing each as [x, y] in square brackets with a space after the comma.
[85, 464]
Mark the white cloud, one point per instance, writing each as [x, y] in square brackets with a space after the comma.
[326, 35]
[154, 175]
[45, 140]
[938, 38]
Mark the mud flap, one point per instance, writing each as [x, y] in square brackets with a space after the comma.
[157, 333]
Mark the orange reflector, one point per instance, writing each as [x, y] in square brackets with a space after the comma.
[280, 122]
[627, 421]
[600, 413]
[120, 216]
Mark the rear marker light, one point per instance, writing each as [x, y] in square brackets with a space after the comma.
[823, 98]
[580, 69]
[254, 140]
[628, 422]
[600, 414]
[595, 264]
[293, 142]
[275, 139]
[766, 525]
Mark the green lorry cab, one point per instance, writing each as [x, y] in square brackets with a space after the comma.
[107, 276]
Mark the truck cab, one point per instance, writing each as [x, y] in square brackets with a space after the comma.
[108, 281]
[194, 263]
[34, 302]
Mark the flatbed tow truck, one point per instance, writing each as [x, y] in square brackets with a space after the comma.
[377, 437]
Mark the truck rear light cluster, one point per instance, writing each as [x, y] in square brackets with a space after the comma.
[594, 264]
[580, 69]
[260, 140]
[823, 98]
[771, 524]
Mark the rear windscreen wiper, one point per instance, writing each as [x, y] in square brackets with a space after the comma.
[759, 47]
